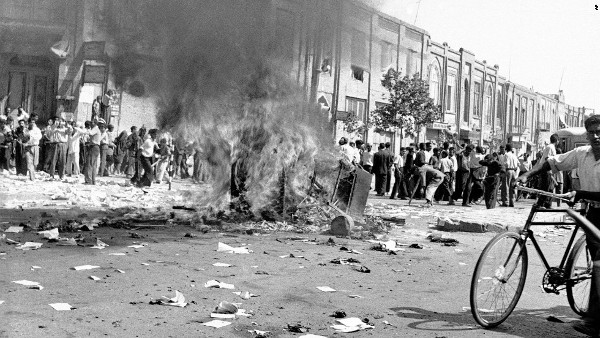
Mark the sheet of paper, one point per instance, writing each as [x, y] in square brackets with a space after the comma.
[49, 234]
[225, 265]
[85, 267]
[14, 229]
[61, 306]
[216, 323]
[325, 289]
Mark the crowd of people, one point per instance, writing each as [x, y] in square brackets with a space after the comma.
[451, 172]
[67, 148]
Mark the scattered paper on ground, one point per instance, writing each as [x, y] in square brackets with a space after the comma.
[61, 306]
[85, 267]
[30, 284]
[223, 315]
[1, 302]
[117, 254]
[99, 245]
[178, 300]
[14, 229]
[325, 289]
[29, 246]
[49, 234]
[245, 294]
[351, 324]
[136, 246]
[33, 267]
[95, 278]
[225, 265]
[310, 335]
[229, 249]
[216, 323]
[217, 284]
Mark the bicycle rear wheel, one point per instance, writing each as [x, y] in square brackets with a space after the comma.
[498, 279]
[579, 271]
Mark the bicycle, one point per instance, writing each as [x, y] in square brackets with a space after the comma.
[501, 270]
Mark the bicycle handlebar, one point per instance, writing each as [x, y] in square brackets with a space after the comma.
[589, 227]
[541, 192]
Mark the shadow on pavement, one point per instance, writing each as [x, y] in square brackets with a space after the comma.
[521, 323]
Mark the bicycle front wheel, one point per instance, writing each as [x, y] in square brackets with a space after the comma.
[579, 271]
[498, 279]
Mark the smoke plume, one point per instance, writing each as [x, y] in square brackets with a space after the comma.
[217, 74]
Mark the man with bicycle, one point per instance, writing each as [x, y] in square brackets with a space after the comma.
[587, 161]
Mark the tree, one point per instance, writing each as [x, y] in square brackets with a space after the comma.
[409, 106]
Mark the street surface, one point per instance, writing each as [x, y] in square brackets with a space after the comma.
[419, 292]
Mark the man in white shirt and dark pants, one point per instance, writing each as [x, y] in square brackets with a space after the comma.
[511, 163]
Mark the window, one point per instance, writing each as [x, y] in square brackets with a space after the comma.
[487, 105]
[523, 120]
[358, 107]
[358, 73]
[451, 92]
[467, 105]
[477, 99]
[388, 51]
[434, 83]
[499, 106]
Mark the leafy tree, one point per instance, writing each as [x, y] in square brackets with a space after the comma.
[409, 106]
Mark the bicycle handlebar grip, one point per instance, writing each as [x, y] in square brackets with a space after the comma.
[590, 228]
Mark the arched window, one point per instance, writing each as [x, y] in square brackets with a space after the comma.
[499, 106]
[467, 102]
[434, 83]
[487, 105]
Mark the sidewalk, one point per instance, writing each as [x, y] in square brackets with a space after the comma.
[456, 217]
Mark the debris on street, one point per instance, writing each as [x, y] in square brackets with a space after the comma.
[29, 246]
[218, 285]
[351, 324]
[30, 284]
[61, 306]
[229, 249]
[85, 267]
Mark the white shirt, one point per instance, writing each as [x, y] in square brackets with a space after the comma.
[346, 152]
[454, 163]
[74, 142]
[582, 159]
[512, 162]
[474, 160]
[549, 151]
[148, 147]
[446, 165]
[428, 155]
[356, 155]
[35, 135]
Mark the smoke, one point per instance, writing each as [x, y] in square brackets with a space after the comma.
[220, 81]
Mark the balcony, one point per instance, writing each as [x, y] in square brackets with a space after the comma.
[518, 130]
[544, 126]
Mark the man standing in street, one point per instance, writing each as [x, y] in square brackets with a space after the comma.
[463, 171]
[93, 150]
[390, 159]
[512, 172]
[433, 179]
[398, 168]
[447, 167]
[380, 169]
[547, 179]
[585, 160]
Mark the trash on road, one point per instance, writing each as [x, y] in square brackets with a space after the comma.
[298, 328]
[354, 296]
[137, 246]
[29, 246]
[219, 285]
[85, 267]
[325, 289]
[49, 234]
[345, 261]
[119, 271]
[94, 278]
[229, 249]
[227, 310]
[311, 336]
[30, 284]
[99, 245]
[363, 269]
[1, 302]
[224, 265]
[62, 306]
[67, 241]
[14, 229]
[260, 334]
[178, 300]
[350, 250]
[216, 323]
[291, 256]
[415, 246]
[245, 294]
[554, 319]
[339, 314]
[117, 254]
[33, 267]
[390, 245]
[439, 239]
[351, 324]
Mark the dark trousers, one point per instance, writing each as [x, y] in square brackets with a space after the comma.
[59, 159]
[594, 247]
[473, 189]
[20, 162]
[4, 157]
[49, 150]
[490, 189]
[380, 180]
[103, 149]
[399, 184]
[462, 178]
[546, 184]
[146, 163]
[91, 161]
[368, 168]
